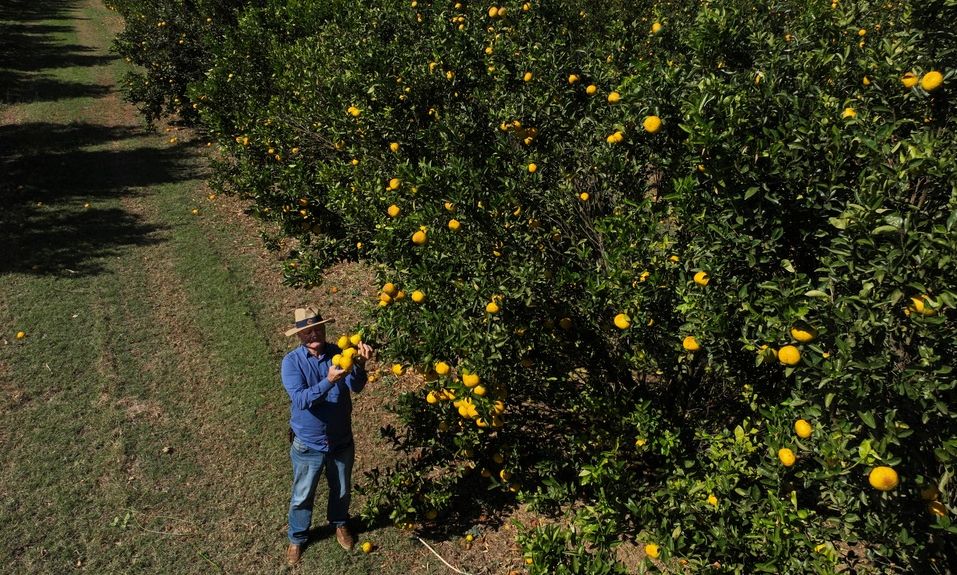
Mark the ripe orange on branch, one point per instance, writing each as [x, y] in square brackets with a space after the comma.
[690, 343]
[786, 456]
[789, 355]
[931, 81]
[802, 428]
[883, 478]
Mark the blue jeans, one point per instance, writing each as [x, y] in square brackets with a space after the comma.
[307, 467]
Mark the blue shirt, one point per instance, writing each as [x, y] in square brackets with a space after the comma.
[321, 412]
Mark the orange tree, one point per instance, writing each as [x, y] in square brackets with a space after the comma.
[170, 43]
[682, 271]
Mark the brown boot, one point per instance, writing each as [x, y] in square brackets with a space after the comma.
[293, 554]
[345, 538]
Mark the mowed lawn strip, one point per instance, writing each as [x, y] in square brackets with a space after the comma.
[142, 416]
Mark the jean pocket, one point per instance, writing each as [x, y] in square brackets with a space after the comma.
[299, 447]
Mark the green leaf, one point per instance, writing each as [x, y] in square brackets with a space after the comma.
[868, 418]
[838, 223]
[864, 449]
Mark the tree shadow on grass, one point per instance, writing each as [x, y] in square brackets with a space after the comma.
[34, 10]
[30, 50]
[27, 89]
[50, 173]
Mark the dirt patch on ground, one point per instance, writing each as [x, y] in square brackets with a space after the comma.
[136, 408]
[494, 549]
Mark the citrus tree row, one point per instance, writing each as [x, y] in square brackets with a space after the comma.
[680, 274]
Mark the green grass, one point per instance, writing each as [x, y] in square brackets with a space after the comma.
[142, 417]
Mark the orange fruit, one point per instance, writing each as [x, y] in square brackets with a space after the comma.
[690, 343]
[615, 138]
[803, 333]
[930, 493]
[622, 321]
[909, 80]
[883, 478]
[652, 124]
[789, 355]
[931, 81]
[802, 428]
[786, 456]
[701, 278]
[419, 238]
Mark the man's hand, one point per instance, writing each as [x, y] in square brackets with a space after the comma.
[363, 354]
[335, 374]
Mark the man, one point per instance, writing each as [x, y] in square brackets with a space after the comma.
[321, 426]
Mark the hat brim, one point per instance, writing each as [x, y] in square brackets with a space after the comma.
[295, 330]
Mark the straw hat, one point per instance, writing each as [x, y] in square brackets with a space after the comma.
[305, 318]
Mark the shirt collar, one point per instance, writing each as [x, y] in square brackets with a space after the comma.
[320, 357]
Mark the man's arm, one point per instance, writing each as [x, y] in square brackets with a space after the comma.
[300, 393]
[358, 377]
